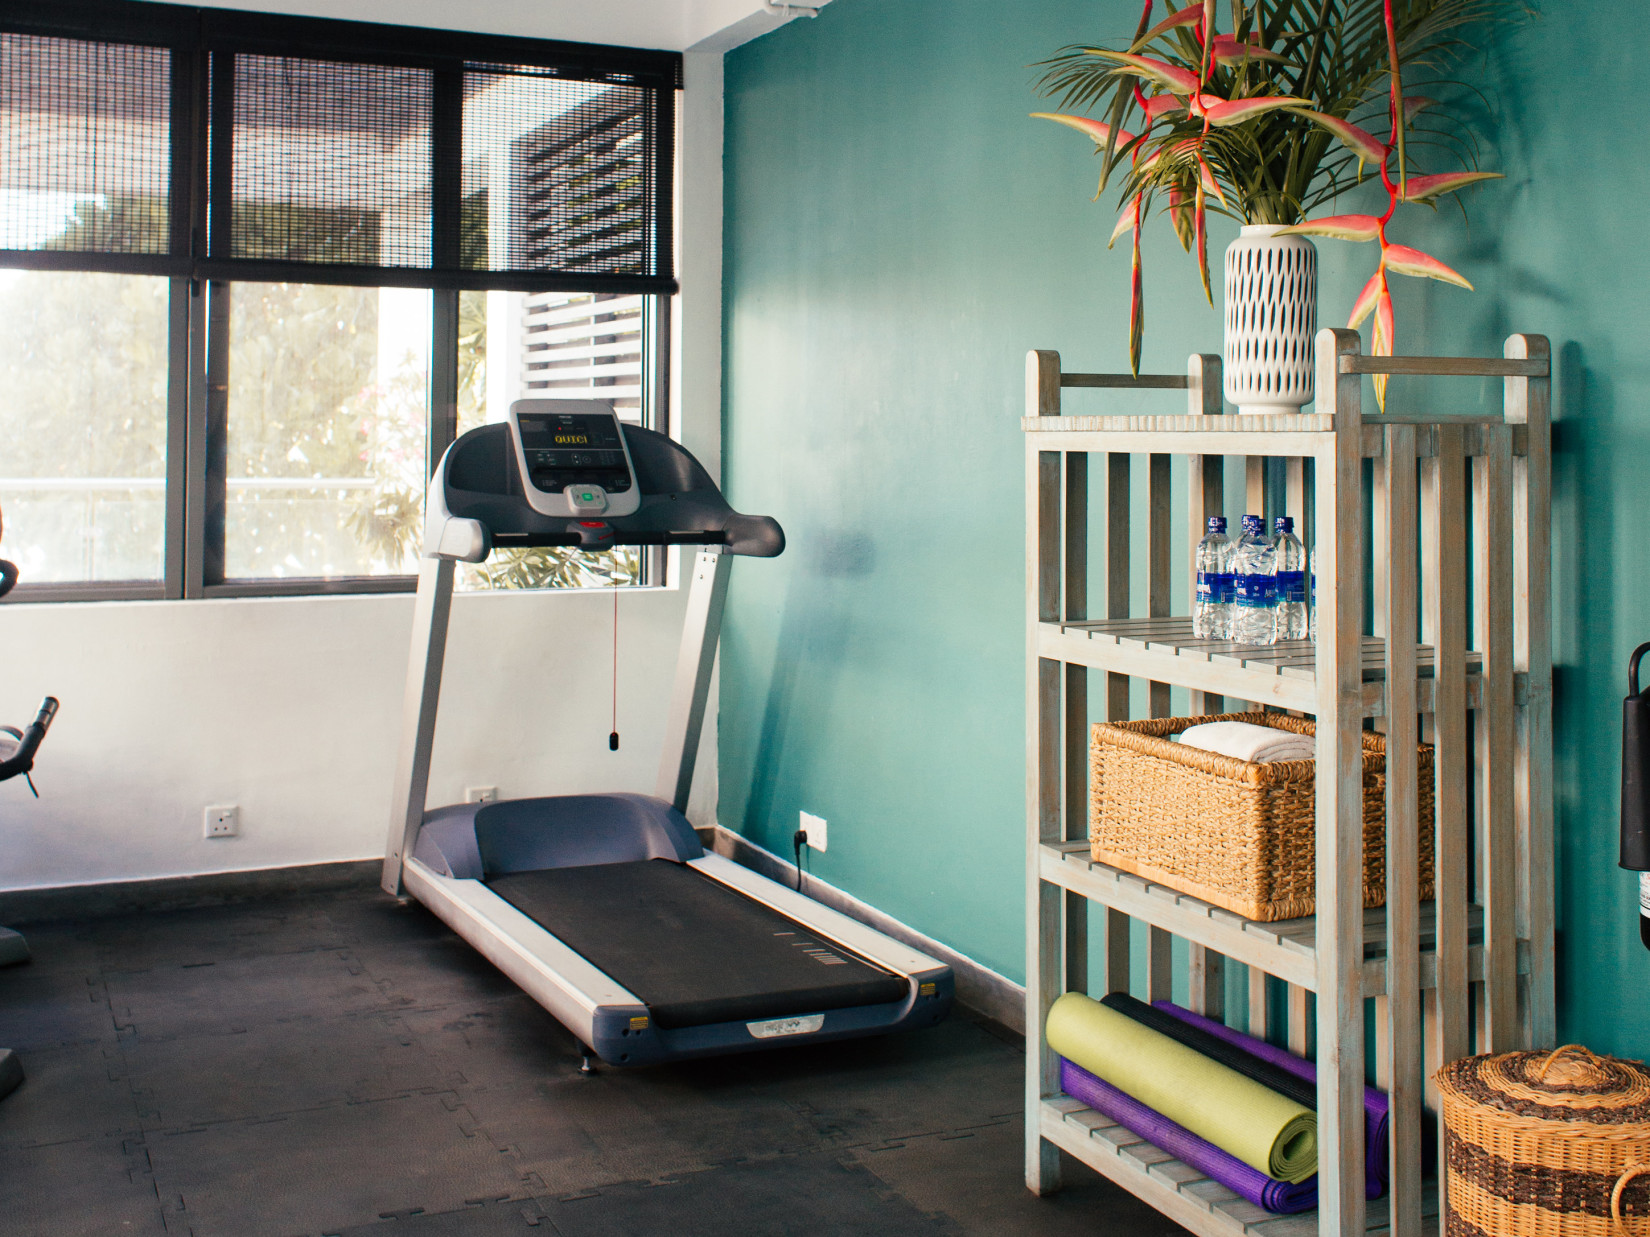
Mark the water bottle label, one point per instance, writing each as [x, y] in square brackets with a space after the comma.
[1205, 586]
[1291, 586]
[1258, 591]
[1644, 894]
[1224, 586]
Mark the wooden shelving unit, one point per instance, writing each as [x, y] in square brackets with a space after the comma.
[1458, 551]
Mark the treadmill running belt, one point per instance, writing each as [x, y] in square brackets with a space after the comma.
[695, 951]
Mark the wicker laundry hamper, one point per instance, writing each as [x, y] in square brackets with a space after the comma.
[1237, 834]
[1546, 1144]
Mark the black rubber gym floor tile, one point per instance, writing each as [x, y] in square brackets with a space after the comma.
[41, 1008]
[238, 993]
[68, 1094]
[213, 934]
[329, 1169]
[433, 971]
[492, 1218]
[961, 1175]
[275, 1068]
[369, 915]
[799, 1196]
[96, 1187]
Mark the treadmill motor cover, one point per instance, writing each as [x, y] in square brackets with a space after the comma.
[693, 950]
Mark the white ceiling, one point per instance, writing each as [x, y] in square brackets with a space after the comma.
[677, 25]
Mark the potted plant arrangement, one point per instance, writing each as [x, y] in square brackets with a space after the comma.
[1268, 123]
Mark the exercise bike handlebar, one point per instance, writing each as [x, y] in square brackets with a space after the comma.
[22, 760]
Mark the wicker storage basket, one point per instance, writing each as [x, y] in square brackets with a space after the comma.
[1546, 1143]
[1236, 834]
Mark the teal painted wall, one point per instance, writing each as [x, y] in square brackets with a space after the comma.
[898, 234]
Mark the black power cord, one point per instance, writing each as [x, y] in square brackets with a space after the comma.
[799, 839]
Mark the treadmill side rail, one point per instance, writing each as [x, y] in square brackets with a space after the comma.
[431, 611]
[831, 924]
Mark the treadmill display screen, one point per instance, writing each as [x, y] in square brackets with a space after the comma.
[573, 448]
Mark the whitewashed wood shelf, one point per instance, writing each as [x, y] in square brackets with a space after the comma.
[1430, 524]
[1177, 1189]
[1285, 948]
[1284, 675]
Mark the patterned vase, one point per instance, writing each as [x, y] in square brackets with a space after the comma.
[1271, 316]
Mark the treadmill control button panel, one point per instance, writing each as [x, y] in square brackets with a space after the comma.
[567, 449]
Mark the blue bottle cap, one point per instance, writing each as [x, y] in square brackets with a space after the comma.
[1217, 524]
[1284, 524]
[1253, 524]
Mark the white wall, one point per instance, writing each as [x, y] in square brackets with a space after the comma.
[290, 707]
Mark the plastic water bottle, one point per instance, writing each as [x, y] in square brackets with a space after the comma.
[1253, 597]
[1314, 591]
[1212, 607]
[1289, 575]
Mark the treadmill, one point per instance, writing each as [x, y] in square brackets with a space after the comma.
[605, 908]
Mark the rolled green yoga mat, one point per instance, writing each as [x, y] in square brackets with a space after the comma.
[1236, 1114]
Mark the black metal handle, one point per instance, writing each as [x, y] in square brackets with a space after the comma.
[8, 576]
[1633, 668]
[22, 760]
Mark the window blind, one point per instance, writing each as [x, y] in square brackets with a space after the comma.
[230, 145]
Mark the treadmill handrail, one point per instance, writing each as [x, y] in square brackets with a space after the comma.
[22, 760]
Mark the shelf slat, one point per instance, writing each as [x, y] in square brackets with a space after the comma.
[1175, 1188]
[1285, 948]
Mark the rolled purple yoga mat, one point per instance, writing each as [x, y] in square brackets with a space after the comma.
[1376, 1158]
[1275, 1196]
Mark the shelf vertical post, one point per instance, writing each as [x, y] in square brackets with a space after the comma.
[1339, 848]
[1205, 484]
[1528, 402]
[1044, 926]
[1117, 685]
[1403, 930]
[1076, 607]
[1493, 617]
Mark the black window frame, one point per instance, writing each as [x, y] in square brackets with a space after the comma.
[203, 44]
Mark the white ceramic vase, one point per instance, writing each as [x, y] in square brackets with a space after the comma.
[1271, 316]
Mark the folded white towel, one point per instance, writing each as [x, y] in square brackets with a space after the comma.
[1246, 741]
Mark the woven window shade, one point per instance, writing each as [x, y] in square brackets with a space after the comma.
[568, 173]
[331, 163]
[85, 145]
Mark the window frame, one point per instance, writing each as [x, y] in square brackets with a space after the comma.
[203, 44]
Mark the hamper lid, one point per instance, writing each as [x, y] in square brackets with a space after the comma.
[1569, 1084]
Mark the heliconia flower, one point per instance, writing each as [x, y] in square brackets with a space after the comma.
[1341, 227]
[1239, 110]
[1168, 76]
[1415, 104]
[1130, 218]
[1198, 104]
[1407, 261]
[1420, 188]
[1186, 17]
[1229, 51]
[1180, 214]
[1200, 222]
[1365, 304]
[1362, 143]
[1381, 344]
[1159, 105]
[1099, 130]
[1207, 181]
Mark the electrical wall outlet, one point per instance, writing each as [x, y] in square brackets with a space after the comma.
[481, 794]
[223, 822]
[814, 827]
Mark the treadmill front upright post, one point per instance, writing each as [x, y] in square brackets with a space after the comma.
[701, 629]
[431, 611]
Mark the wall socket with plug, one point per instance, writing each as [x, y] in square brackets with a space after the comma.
[814, 827]
[481, 794]
[223, 822]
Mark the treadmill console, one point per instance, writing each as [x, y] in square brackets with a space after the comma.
[573, 458]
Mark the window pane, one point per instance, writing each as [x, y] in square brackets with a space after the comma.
[551, 345]
[331, 162]
[85, 148]
[326, 429]
[83, 423]
[563, 171]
